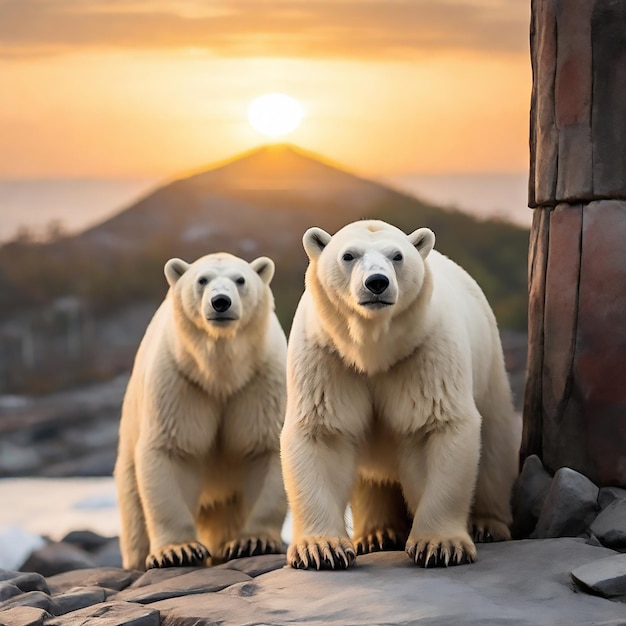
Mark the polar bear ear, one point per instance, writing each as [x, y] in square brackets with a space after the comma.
[174, 269]
[314, 241]
[424, 240]
[264, 267]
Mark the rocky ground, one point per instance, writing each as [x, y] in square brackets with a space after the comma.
[571, 571]
[564, 581]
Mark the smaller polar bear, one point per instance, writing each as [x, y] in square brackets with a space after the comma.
[198, 467]
[397, 403]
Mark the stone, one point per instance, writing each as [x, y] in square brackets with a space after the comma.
[188, 581]
[78, 598]
[529, 493]
[23, 616]
[610, 494]
[570, 506]
[598, 397]
[35, 599]
[532, 431]
[25, 581]
[109, 578]
[86, 540]
[109, 555]
[605, 577]
[109, 614]
[608, 37]
[515, 582]
[544, 133]
[255, 565]
[572, 98]
[56, 558]
[610, 525]
[562, 443]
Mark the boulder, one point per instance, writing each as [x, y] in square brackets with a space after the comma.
[605, 577]
[610, 525]
[570, 506]
[529, 494]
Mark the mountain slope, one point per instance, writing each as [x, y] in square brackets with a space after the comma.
[259, 203]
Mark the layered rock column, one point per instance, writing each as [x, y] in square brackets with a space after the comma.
[575, 398]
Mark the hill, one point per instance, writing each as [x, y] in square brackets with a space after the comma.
[259, 203]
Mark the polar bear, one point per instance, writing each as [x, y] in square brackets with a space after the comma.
[397, 403]
[198, 466]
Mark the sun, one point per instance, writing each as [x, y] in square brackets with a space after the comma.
[275, 114]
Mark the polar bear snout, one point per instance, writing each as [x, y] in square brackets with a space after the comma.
[221, 303]
[376, 283]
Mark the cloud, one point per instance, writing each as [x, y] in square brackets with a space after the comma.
[372, 29]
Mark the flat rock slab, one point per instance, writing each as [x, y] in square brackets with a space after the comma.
[606, 577]
[515, 583]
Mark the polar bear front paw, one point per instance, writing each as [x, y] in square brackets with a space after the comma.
[321, 553]
[251, 546]
[439, 551]
[379, 540]
[488, 529]
[178, 555]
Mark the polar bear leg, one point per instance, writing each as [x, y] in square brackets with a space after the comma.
[491, 511]
[134, 543]
[380, 516]
[169, 489]
[319, 476]
[438, 485]
[250, 523]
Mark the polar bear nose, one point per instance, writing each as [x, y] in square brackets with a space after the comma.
[221, 303]
[377, 283]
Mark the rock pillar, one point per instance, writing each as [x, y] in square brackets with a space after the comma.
[575, 398]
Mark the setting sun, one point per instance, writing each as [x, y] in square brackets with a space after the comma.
[275, 114]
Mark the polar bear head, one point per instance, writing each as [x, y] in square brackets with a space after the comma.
[369, 267]
[221, 293]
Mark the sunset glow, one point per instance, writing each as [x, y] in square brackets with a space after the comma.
[388, 87]
[275, 114]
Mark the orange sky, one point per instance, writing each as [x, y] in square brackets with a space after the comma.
[151, 88]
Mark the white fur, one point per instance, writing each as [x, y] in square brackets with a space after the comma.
[198, 457]
[394, 394]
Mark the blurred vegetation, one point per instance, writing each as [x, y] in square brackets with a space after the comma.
[117, 266]
[35, 274]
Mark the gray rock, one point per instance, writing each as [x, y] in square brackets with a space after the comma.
[110, 614]
[25, 581]
[610, 494]
[592, 540]
[86, 540]
[188, 581]
[610, 525]
[78, 598]
[256, 565]
[108, 578]
[8, 590]
[605, 577]
[514, 583]
[109, 555]
[531, 489]
[35, 599]
[56, 558]
[569, 507]
[23, 616]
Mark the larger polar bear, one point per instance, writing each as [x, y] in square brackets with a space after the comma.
[198, 467]
[397, 403]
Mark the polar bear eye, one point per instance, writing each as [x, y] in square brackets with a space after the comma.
[203, 281]
[348, 257]
[241, 281]
[398, 257]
